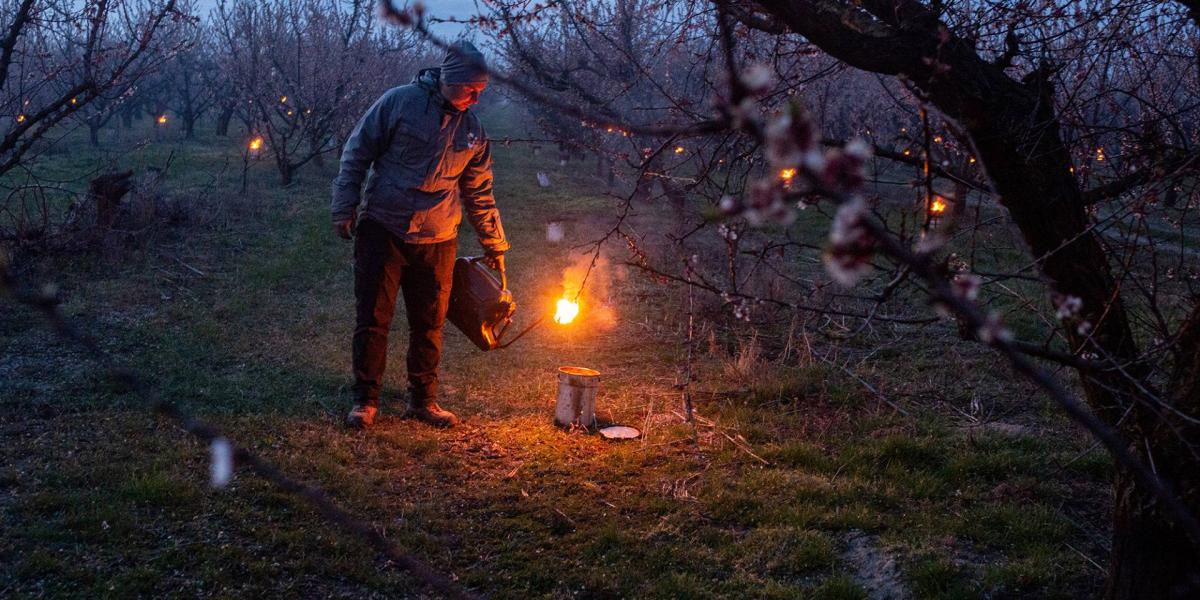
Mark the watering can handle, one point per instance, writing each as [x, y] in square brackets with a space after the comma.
[502, 271]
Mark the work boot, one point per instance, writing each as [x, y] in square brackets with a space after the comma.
[428, 412]
[361, 416]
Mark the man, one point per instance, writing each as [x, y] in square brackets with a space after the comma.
[428, 158]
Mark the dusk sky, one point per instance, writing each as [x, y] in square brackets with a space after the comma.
[434, 8]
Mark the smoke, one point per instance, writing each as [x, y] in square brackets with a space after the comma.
[589, 280]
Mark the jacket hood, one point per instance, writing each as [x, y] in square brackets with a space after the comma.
[428, 79]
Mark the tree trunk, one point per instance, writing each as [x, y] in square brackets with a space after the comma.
[106, 192]
[223, 120]
[1151, 557]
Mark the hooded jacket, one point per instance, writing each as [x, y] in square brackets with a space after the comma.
[423, 162]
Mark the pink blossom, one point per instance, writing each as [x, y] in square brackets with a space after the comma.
[848, 258]
[966, 286]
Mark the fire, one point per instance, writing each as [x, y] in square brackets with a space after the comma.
[162, 119]
[283, 99]
[938, 206]
[787, 174]
[566, 311]
[20, 118]
[256, 143]
[678, 149]
[1099, 154]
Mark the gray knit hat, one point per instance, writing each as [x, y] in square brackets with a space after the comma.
[464, 63]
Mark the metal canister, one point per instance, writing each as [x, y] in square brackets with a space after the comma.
[577, 388]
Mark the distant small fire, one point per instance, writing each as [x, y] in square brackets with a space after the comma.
[256, 144]
[787, 175]
[938, 206]
[162, 119]
[565, 311]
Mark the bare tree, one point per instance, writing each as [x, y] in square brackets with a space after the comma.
[59, 60]
[303, 71]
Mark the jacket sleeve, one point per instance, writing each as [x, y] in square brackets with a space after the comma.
[476, 188]
[366, 143]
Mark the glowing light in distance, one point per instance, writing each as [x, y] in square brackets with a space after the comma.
[938, 206]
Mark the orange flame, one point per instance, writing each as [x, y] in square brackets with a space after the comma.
[1099, 154]
[162, 119]
[787, 174]
[565, 311]
[678, 149]
[256, 143]
[20, 118]
[938, 206]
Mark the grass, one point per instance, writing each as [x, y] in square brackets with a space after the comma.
[244, 318]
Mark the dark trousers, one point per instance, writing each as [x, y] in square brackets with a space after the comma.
[384, 263]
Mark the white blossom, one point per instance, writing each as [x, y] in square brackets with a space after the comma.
[993, 330]
[758, 79]
[1067, 306]
[859, 148]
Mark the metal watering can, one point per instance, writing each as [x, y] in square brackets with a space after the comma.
[481, 306]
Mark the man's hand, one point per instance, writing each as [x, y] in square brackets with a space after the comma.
[344, 229]
[494, 259]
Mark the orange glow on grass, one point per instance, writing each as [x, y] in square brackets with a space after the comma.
[565, 311]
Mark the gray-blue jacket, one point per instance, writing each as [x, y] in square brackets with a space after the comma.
[423, 162]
